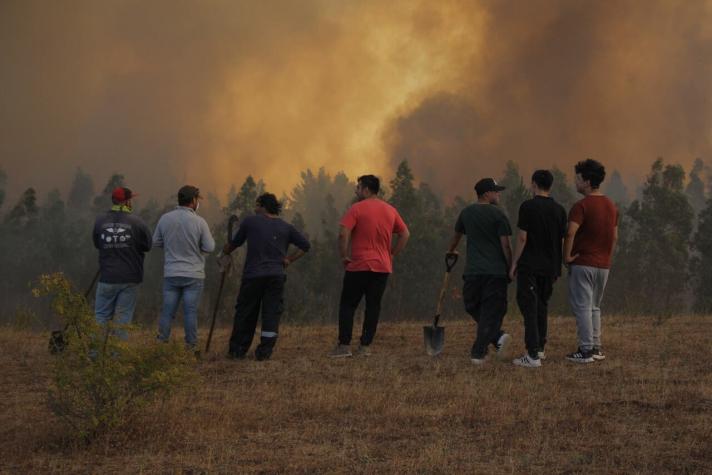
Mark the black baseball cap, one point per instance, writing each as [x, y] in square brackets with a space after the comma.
[487, 184]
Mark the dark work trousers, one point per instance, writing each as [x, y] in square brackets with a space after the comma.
[267, 293]
[356, 285]
[533, 294]
[485, 299]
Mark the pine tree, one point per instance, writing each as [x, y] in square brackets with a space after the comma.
[403, 195]
[657, 253]
[81, 191]
[561, 189]
[615, 189]
[25, 211]
[515, 193]
[695, 189]
[102, 202]
[701, 266]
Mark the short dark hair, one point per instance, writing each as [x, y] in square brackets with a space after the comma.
[269, 202]
[187, 194]
[591, 171]
[543, 179]
[371, 182]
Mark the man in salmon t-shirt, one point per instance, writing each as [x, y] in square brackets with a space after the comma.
[369, 224]
[591, 236]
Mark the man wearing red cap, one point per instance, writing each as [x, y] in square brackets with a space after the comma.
[122, 240]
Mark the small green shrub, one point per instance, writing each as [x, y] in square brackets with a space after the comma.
[99, 381]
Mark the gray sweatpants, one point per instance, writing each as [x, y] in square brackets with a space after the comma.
[586, 286]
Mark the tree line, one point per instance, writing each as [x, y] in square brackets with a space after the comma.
[662, 264]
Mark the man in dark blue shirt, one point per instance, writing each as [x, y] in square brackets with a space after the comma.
[263, 277]
[122, 240]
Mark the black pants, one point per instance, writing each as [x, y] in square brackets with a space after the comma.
[264, 292]
[356, 285]
[485, 299]
[533, 294]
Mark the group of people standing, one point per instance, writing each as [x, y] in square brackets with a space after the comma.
[371, 234]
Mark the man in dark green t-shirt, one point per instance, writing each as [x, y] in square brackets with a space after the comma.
[489, 256]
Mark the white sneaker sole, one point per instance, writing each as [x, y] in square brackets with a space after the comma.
[519, 363]
[581, 360]
[503, 344]
[599, 357]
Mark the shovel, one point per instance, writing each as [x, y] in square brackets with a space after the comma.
[434, 335]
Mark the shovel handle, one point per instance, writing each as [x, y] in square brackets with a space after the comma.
[450, 260]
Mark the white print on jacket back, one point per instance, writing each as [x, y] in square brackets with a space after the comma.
[115, 235]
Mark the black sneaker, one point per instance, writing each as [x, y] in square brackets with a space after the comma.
[597, 354]
[580, 356]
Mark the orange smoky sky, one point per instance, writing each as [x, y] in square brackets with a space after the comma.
[207, 92]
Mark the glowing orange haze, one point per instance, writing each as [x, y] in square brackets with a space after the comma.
[209, 92]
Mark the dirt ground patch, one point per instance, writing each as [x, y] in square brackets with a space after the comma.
[646, 408]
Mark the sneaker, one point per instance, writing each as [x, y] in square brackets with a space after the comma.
[341, 351]
[597, 354]
[502, 345]
[527, 361]
[580, 356]
[541, 355]
[478, 361]
[363, 350]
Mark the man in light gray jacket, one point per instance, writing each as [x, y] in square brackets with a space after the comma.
[184, 237]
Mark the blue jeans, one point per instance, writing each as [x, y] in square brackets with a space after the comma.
[115, 302]
[189, 289]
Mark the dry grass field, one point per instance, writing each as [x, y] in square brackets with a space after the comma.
[646, 409]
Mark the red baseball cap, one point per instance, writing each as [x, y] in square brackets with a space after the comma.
[121, 194]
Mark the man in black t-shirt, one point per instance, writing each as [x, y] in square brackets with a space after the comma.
[537, 263]
[268, 238]
[488, 260]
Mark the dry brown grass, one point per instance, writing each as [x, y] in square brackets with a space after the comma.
[645, 409]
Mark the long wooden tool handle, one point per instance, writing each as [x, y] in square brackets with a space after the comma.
[443, 291]
[215, 312]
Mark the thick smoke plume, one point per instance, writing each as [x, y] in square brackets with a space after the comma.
[209, 92]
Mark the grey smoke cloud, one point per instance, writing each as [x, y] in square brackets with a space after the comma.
[559, 81]
[208, 92]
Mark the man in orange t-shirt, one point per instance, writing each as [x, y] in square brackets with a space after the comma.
[369, 225]
[588, 247]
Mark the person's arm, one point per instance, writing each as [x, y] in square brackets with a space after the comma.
[95, 235]
[403, 238]
[158, 235]
[507, 249]
[293, 257]
[452, 249]
[521, 242]
[207, 243]
[569, 242]
[238, 239]
[344, 236]
[296, 238]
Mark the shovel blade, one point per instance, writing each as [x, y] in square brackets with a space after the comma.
[434, 338]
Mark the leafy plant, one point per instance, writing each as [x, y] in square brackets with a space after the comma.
[99, 381]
